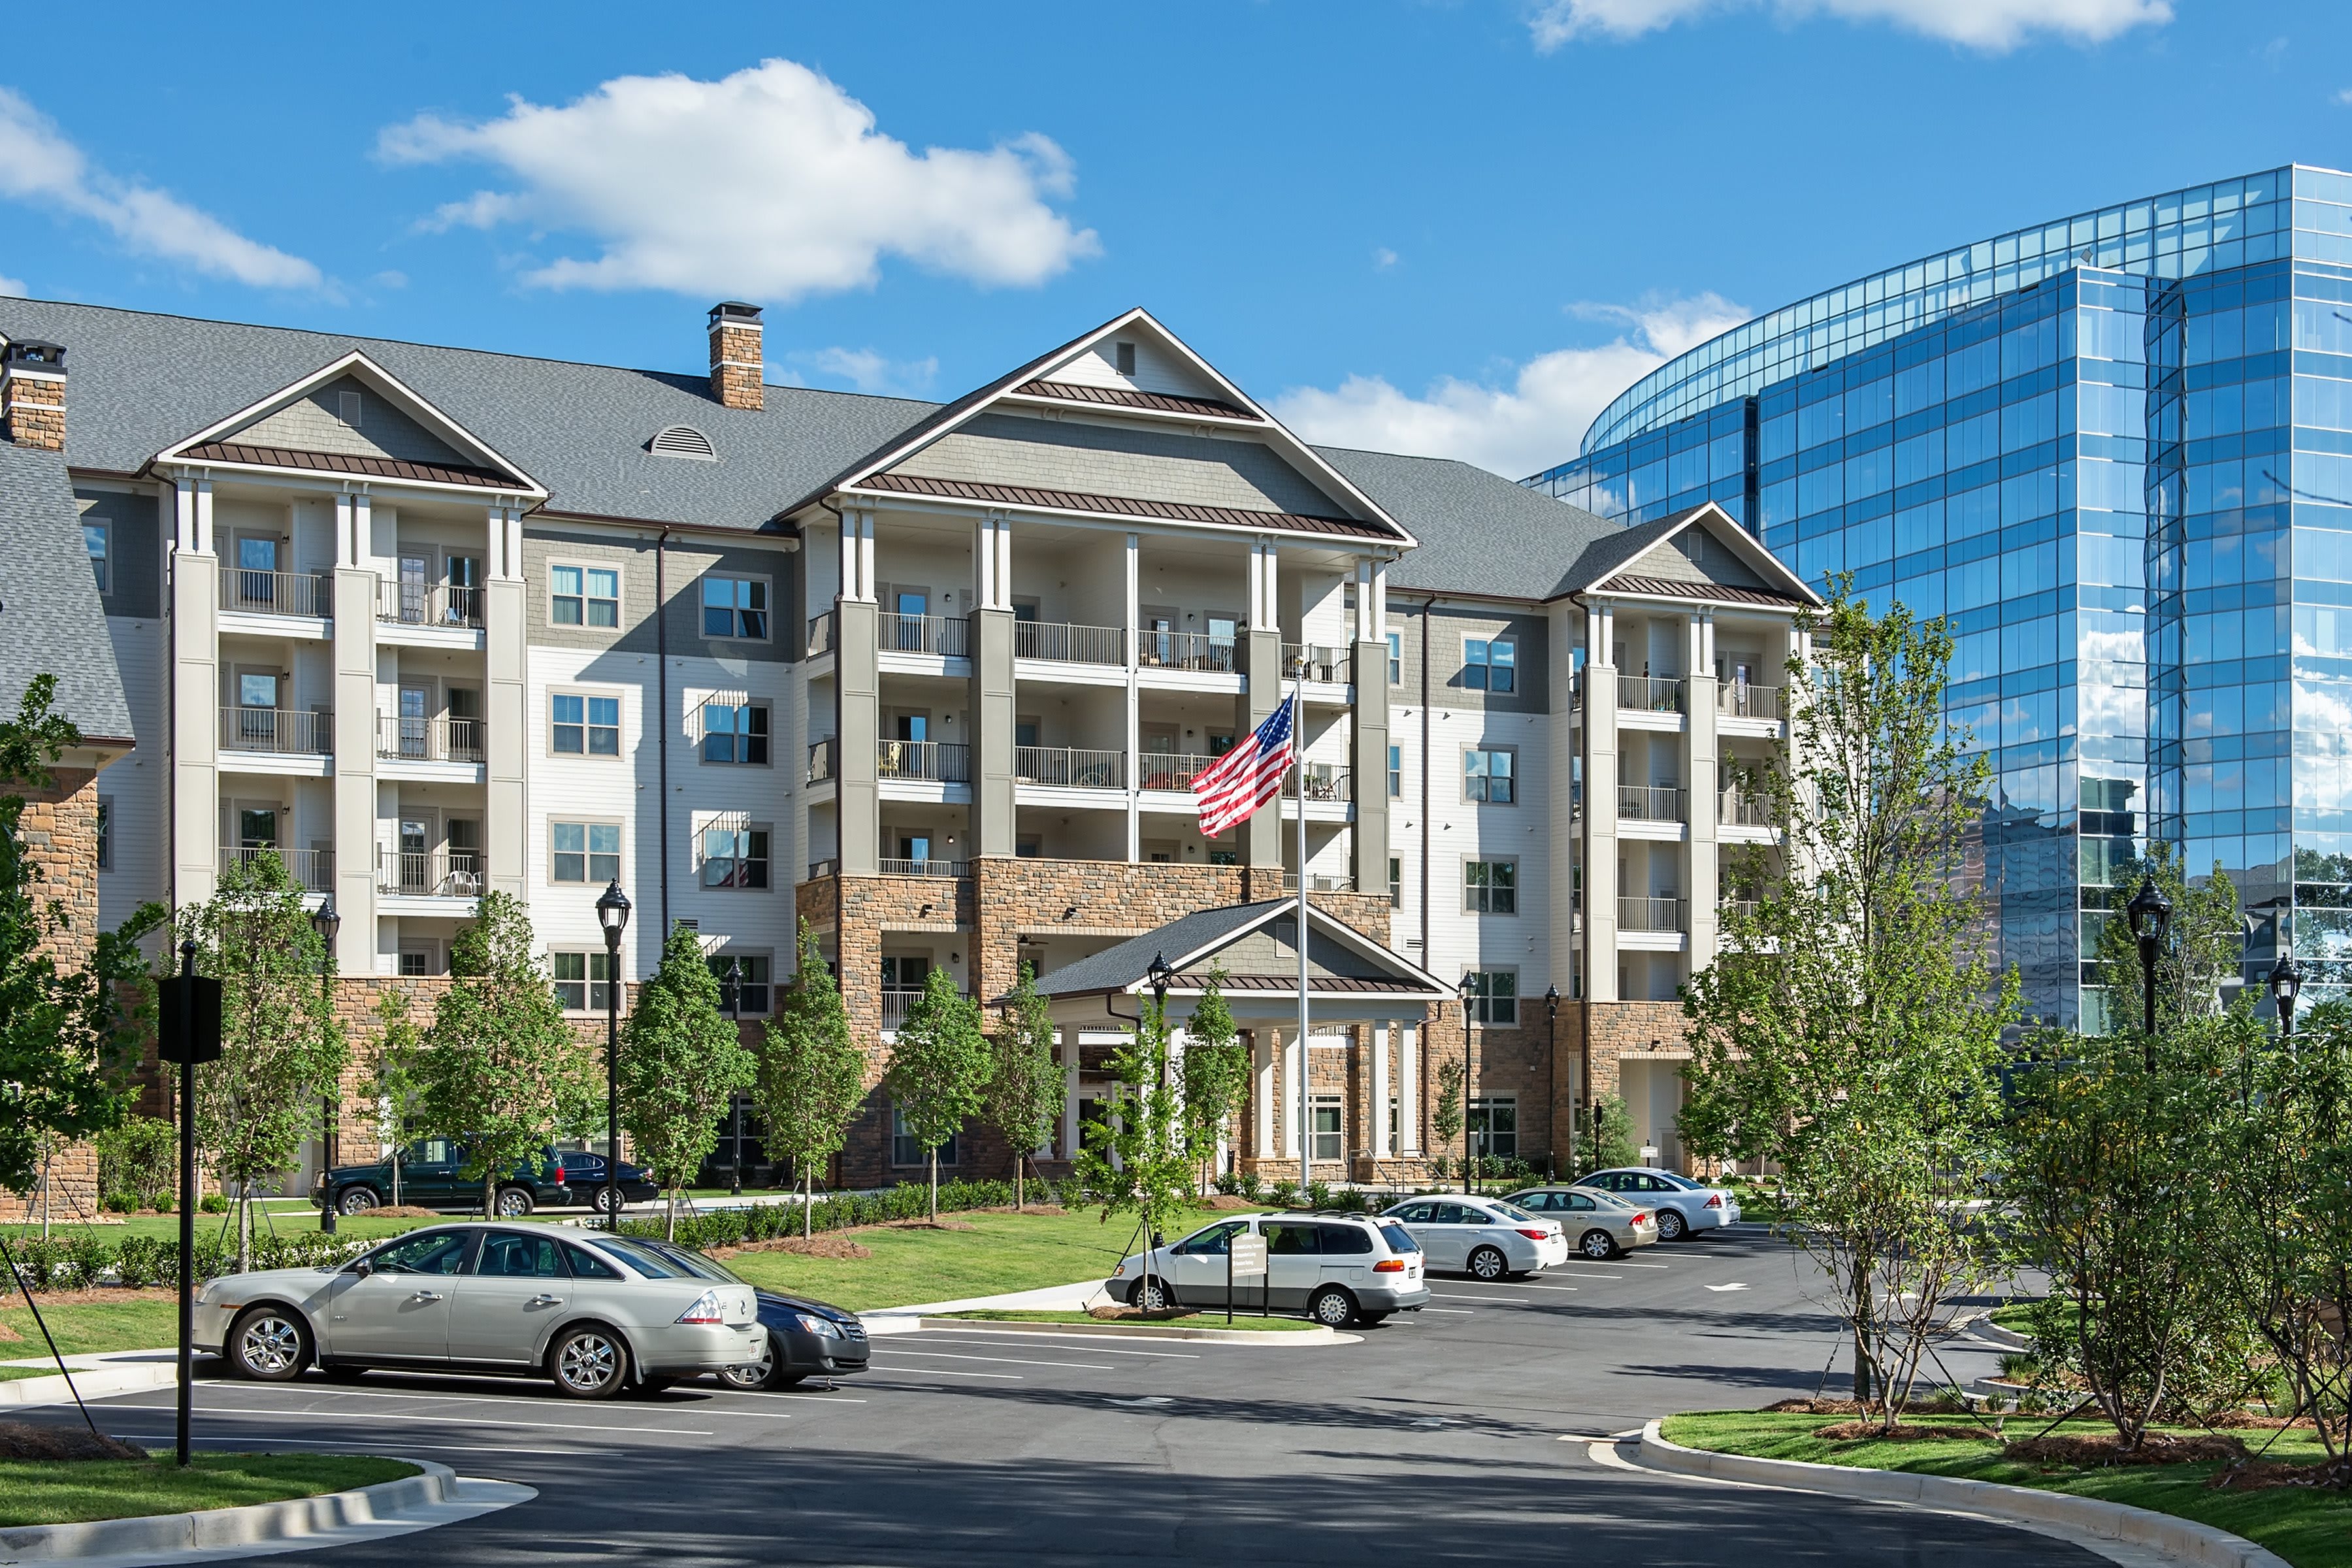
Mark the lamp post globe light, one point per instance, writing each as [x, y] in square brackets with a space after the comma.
[612, 914]
[326, 922]
[2286, 982]
[2151, 919]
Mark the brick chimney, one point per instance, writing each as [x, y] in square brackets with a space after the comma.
[735, 334]
[33, 394]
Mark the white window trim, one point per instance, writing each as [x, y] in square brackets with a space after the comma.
[1484, 1002]
[1489, 665]
[620, 596]
[105, 527]
[761, 578]
[702, 822]
[720, 955]
[587, 986]
[620, 753]
[587, 857]
[1510, 860]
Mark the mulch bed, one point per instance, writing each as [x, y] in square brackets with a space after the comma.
[1852, 1408]
[1116, 1315]
[2104, 1450]
[2261, 1475]
[925, 1225]
[829, 1245]
[1228, 1201]
[94, 1295]
[1856, 1431]
[400, 1211]
[22, 1440]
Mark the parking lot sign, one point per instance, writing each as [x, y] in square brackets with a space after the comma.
[1245, 1257]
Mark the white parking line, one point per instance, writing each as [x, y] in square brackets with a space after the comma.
[465, 1420]
[1457, 1296]
[812, 1398]
[311, 1392]
[947, 1371]
[1452, 1311]
[160, 1437]
[1003, 1360]
[1093, 1346]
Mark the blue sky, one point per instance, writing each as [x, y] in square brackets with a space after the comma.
[1453, 227]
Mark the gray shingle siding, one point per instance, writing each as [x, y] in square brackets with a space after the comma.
[50, 617]
[1120, 460]
[134, 524]
[315, 423]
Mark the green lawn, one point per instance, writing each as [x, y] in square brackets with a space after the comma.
[2309, 1528]
[1002, 1252]
[89, 1326]
[208, 1226]
[1207, 1319]
[38, 1491]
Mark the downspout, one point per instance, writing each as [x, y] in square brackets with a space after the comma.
[1426, 764]
[661, 729]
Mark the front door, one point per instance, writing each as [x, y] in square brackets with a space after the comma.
[415, 719]
[517, 1285]
[415, 589]
[400, 1309]
[465, 580]
[1159, 639]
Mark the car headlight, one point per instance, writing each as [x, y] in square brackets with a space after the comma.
[823, 1328]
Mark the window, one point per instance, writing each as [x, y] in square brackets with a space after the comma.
[906, 1151]
[94, 531]
[752, 977]
[582, 980]
[1224, 858]
[583, 595]
[585, 852]
[1324, 1139]
[1490, 776]
[734, 856]
[106, 833]
[1396, 658]
[418, 962]
[584, 726]
[904, 973]
[1493, 1123]
[1490, 887]
[1396, 772]
[735, 608]
[735, 732]
[1396, 899]
[1123, 357]
[1494, 997]
[1489, 665]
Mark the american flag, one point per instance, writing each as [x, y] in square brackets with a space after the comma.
[1247, 777]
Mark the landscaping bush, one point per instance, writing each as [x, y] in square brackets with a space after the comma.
[138, 1163]
[839, 1211]
[213, 1202]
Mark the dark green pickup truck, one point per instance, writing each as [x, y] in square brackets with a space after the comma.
[432, 1175]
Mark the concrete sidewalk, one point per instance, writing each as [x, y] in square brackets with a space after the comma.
[1075, 1298]
[95, 1374]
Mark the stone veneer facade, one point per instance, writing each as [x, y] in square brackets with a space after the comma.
[60, 831]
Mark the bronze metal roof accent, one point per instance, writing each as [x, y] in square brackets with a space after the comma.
[1125, 397]
[343, 463]
[1071, 500]
[1674, 588]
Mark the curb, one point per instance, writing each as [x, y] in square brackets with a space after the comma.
[1315, 1336]
[135, 1377]
[1991, 1333]
[390, 1507]
[2184, 1540]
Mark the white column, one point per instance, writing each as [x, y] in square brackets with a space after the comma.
[983, 562]
[866, 587]
[1069, 1093]
[1262, 1092]
[1134, 741]
[1294, 1062]
[1004, 563]
[849, 555]
[1380, 1033]
[347, 550]
[363, 528]
[1378, 627]
[204, 522]
[1409, 1089]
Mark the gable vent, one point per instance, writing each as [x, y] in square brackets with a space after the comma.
[683, 441]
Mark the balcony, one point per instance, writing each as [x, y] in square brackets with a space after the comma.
[1173, 769]
[309, 594]
[310, 870]
[924, 761]
[945, 869]
[1737, 808]
[1064, 644]
[428, 605]
[1650, 693]
[1576, 691]
[1336, 665]
[1317, 882]
[429, 874]
[896, 1003]
[1740, 908]
[1738, 702]
[1325, 782]
[1069, 767]
[945, 636]
[286, 731]
[826, 868]
[428, 739]
[1646, 803]
[819, 633]
[1186, 650]
[1650, 914]
[824, 759]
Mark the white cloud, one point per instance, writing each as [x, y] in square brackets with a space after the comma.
[1522, 428]
[1384, 258]
[2345, 97]
[770, 184]
[1990, 24]
[38, 165]
[866, 370]
[13, 288]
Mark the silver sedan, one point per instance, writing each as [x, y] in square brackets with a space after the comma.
[592, 1313]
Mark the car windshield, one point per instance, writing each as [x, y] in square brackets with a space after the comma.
[1606, 1200]
[1398, 1238]
[434, 1252]
[693, 1262]
[1509, 1211]
[645, 1260]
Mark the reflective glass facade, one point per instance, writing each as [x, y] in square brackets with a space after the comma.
[2116, 449]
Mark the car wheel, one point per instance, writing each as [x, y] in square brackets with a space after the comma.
[1152, 1295]
[514, 1202]
[601, 1198]
[1597, 1245]
[1489, 1264]
[1672, 1227]
[590, 1361]
[269, 1344]
[1331, 1306]
[356, 1200]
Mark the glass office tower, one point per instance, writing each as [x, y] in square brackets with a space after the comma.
[2116, 450]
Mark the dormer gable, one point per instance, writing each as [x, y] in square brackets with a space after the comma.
[1699, 555]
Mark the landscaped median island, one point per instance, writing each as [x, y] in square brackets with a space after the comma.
[64, 1476]
[2310, 1527]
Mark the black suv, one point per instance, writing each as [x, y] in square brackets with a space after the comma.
[432, 1177]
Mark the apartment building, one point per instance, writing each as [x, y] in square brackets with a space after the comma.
[423, 622]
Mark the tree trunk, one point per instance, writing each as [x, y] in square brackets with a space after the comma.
[490, 1196]
[244, 1228]
[395, 1177]
[935, 1184]
[669, 1217]
[1862, 1334]
[1016, 1180]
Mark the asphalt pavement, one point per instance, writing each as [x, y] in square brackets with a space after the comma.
[1452, 1435]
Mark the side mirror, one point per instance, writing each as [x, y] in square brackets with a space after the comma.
[1159, 1240]
[362, 1267]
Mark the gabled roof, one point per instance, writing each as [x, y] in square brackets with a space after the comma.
[1194, 939]
[51, 620]
[1479, 533]
[1610, 570]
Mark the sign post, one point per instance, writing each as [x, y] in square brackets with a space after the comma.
[188, 1031]
[1245, 1256]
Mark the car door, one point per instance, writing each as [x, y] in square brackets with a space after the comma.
[1417, 1218]
[1293, 1261]
[1657, 1191]
[1442, 1237]
[1196, 1266]
[399, 1308]
[517, 1286]
[428, 1172]
[1346, 1254]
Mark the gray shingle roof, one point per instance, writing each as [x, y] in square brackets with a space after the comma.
[1479, 532]
[1117, 968]
[50, 617]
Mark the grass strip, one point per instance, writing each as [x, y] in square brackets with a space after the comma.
[1201, 1319]
[140, 1320]
[53, 1491]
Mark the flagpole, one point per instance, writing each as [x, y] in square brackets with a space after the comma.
[1305, 1098]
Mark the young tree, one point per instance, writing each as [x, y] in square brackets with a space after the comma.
[392, 1077]
[939, 1067]
[682, 1061]
[2198, 964]
[1446, 1110]
[1850, 1027]
[1135, 1158]
[282, 1049]
[1024, 1095]
[500, 1070]
[1608, 1135]
[811, 1074]
[1216, 1074]
[68, 1033]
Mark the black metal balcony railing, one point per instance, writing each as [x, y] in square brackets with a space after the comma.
[428, 739]
[290, 730]
[1325, 782]
[1334, 665]
[824, 759]
[947, 636]
[1073, 766]
[819, 633]
[1171, 769]
[1650, 693]
[1186, 650]
[310, 870]
[1650, 914]
[430, 873]
[1068, 644]
[1735, 699]
[930, 761]
[277, 593]
[428, 605]
[1647, 803]
[926, 867]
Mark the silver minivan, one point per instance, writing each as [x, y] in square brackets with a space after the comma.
[1341, 1269]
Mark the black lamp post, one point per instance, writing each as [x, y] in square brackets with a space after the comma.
[327, 922]
[1551, 1027]
[612, 914]
[2287, 981]
[2151, 917]
[735, 1007]
[1469, 989]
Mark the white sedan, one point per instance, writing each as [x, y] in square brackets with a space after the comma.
[1485, 1238]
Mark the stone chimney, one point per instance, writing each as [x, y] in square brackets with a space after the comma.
[33, 394]
[735, 355]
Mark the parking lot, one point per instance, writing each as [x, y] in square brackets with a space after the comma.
[1454, 1432]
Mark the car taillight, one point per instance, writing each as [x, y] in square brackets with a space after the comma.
[1536, 1234]
[1641, 1217]
[706, 1309]
[1388, 1266]
[1715, 1201]
[561, 1179]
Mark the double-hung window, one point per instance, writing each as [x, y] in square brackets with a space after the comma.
[750, 975]
[1396, 658]
[106, 833]
[1494, 997]
[1396, 772]
[735, 608]
[1489, 664]
[734, 855]
[907, 1148]
[584, 852]
[1493, 1123]
[1490, 887]
[1490, 776]
[735, 732]
[582, 980]
[583, 595]
[583, 726]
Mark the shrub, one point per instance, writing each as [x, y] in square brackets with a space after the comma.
[1283, 1195]
[139, 1161]
[213, 1202]
[1227, 1182]
[1318, 1194]
[1251, 1185]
